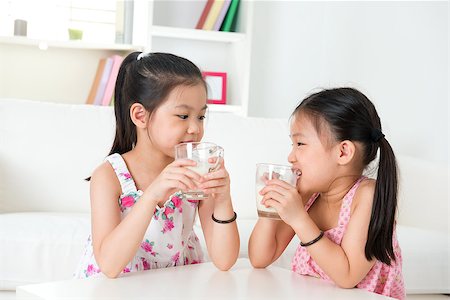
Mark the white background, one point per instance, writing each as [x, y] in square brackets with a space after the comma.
[394, 52]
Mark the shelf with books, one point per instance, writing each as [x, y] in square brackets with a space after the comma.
[208, 15]
[158, 26]
[54, 71]
[102, 88]
[172, 29]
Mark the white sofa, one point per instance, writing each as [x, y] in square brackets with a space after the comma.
[47, 149]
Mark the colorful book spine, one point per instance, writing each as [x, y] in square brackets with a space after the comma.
[98, 76]
[109, 90]
[103, 82]
[231, 16]
[222, 15]
[213, 15]
[204, 14]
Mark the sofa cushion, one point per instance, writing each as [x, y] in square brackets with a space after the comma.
[38, 247]
[426, 263]
[423, 184]
[46, 150]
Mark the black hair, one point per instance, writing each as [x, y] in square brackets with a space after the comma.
[350, 115]
[147, 78]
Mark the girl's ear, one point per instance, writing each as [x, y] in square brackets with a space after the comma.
[139, 115]
[346, 152]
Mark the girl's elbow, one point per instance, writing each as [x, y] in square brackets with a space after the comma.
[345, 284]
[224, 265]
[258, 263]
[110, 273]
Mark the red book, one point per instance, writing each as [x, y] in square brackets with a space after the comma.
[204, 15]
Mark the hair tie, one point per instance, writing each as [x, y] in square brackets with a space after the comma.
[376, 135]
[142, 55]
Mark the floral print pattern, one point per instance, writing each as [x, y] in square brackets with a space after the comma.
[148, 247]
[169, 240]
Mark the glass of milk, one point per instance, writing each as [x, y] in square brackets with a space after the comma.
[206, 155]
[265, 172]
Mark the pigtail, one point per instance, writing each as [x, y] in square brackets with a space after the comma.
[350, 115]
[382, 221]
[125, 137]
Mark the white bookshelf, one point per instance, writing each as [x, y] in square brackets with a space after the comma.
[54, 71]
[225, 108]
[196, 34]
[171, 26]
[159, 26]
[45, 44]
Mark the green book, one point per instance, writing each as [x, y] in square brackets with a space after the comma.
[230, 18]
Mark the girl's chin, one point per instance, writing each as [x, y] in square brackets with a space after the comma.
[301, 188]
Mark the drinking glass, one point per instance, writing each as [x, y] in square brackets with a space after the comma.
[268, 171]
[206, 155]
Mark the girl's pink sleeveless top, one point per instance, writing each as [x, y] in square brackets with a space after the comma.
[381, 279]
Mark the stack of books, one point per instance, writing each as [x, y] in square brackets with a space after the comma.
[102, 89]
[218, 15]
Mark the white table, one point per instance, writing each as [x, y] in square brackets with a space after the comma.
[202, 281]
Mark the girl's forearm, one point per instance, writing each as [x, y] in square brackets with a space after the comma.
[127, 237]
[330, 257]
[261, 245]
[225, 242]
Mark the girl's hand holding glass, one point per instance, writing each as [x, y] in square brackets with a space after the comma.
[216, 183]
[285, 199]
[208, 158]
[176, 176]
[264, 173]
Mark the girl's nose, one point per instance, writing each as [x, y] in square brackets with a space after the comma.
[291, 156]
[193, 128]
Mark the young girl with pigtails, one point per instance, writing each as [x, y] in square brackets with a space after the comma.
[140, 218]
[344, 220]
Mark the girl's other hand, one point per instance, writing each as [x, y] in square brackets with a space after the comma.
[176, 176]
[217, 183]
[285, 199]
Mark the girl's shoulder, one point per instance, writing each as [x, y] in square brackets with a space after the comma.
[105, 176]
[367, 185]
[364, 194]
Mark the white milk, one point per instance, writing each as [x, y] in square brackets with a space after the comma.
[264, 211]
[201, 168]
[265, 172]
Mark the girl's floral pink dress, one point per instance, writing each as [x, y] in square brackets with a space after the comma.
[169, 240]
[381, 279]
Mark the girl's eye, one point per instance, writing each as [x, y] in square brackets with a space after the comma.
[183, 117]
[201, 118]
[300, 144]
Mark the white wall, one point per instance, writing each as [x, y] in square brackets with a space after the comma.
[394, 52]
